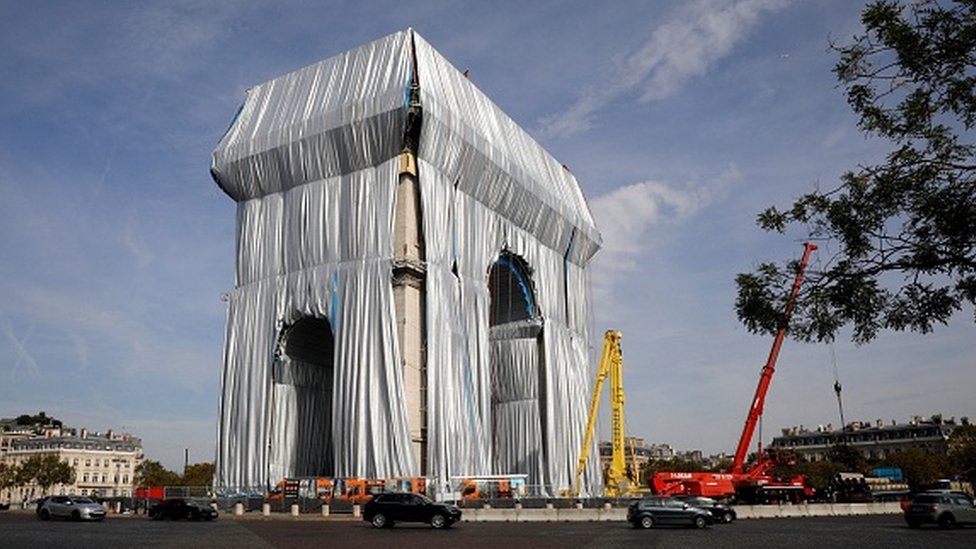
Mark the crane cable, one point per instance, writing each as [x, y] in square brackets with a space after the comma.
[833, 355]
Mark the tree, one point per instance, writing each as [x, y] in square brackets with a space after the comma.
[152, 473]
[199, 474]
[848, 457]
[921, 468]
[8, 476]
[45, 470]
[819, 474]
[962, 451]
[903, 231]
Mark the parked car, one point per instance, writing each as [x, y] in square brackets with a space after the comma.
[662, 511]
[72, 507]
[721, 512]
[179, 508]
[385, 510]
[38, 503]
[945, 508]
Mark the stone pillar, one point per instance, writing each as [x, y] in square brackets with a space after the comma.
[326, 510]
[266, 509]
[238, 508]
[409, 296]
[294, 509]
[357, 511]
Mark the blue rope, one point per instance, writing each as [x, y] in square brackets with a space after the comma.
[335, 302]
[523, 284]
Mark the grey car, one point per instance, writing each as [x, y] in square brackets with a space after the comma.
[70, 507]
[664, 511]
[947, 509]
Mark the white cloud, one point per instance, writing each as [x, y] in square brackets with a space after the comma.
[685, 46]
[626, 215]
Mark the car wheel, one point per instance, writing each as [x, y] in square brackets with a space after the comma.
[727, 518]
[946, 521]
[646, 522]
[45, 514]
[75, 516]
[700, 522]
[379, 521]
[438, 521]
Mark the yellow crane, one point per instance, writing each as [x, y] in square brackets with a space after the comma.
[611, 364]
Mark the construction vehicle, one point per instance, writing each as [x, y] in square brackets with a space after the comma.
[305, 487]
[493, 487]
[611, 365]
[756, 483]
[413, 485]
[358, 490]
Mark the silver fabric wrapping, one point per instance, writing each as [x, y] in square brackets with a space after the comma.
[310, 159]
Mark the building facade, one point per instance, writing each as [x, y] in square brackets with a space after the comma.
[104, 464]
[877, 440]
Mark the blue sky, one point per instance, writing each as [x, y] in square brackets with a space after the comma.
[682, 120]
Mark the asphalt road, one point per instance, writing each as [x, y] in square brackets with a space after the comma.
[24, 530]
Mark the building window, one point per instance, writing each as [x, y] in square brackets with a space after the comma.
[75, 462]
[84, 478]
[88, 462]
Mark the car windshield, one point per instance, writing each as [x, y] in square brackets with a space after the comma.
[926, 499]
[82, 500]
[423, 499]
[198, 502]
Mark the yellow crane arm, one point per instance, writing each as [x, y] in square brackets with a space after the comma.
[611, 364]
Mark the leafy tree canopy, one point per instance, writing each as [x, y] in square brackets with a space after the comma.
[199, 474]
[8, 475]
[45, 470]
[962, 451]
[39, 420]
[152, 473]
[901, 233]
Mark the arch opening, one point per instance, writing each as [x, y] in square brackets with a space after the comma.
[301, 441]
[517, 372]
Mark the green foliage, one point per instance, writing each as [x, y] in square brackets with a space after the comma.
[962, 451]
[45, 470]
[848, 457]
[198, 474]
[903, 231]
[8, 475]
[921, 468]
[39, 420]
[818, 473]
[152, 473]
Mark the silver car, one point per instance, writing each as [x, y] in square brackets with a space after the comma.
[71, 507]
[947, 509]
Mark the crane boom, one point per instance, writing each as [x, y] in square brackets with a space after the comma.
[611, 364]
[759, 400]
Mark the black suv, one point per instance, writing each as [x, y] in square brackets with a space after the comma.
[658, 511]
[720, 512]
[385, 510]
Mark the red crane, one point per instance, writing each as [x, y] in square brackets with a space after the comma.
[723, 485]
[759, 400]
